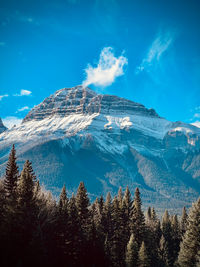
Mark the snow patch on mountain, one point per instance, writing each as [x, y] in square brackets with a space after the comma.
[108, 119]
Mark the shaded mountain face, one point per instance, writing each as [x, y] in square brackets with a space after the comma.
[106, 141]
[2, 127]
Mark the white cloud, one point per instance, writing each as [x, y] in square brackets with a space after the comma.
[22, 109]
[24, 93]
[108, 68]
[2, 96]
[10, 121]
[156, 50]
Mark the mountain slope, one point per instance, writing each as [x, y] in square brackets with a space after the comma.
[2, 127]
[107, 141]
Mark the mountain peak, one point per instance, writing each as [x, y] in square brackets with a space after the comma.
[83, 100]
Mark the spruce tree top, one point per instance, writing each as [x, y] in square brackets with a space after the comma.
[12, 175]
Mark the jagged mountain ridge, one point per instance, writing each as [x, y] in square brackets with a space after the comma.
[80, 100]
[107, 141]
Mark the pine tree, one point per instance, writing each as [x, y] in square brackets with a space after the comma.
[183, 224]
[45, 236]
[117, 248]
[98, 218]
[30, 169]
[62, 224]
[63, 201]
[167, 242]
[108, 227]
[143, 257]
[132, 253]
[148, 216]
[190, 246]
[82, 204]
[11, 176]
[126, 207]
[153, 235]
[27, 209]
[101, 205]
[25, 188]
[137, 220]
[176, 237]
[75, 235]
[120, 197]
[85, 221]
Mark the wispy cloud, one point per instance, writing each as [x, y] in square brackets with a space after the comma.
[2, 96]
[162, 42]
[22, 109]
[10, 121]
[197, 115]
[24, 93]
[2, 43]
[107, 70]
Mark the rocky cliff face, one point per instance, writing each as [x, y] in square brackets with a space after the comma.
[80, 100]
[107, 141]
[2, 127]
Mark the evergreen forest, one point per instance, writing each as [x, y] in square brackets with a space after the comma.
[37, 230]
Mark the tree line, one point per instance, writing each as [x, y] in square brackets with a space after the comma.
[37, 230]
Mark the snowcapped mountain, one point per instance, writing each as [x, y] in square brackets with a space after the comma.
[107, 141]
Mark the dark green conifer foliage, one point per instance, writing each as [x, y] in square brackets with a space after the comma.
[132, 253]
[74, 237]
[176, 237]
[183, 224]
[143, 257]
[153, 235]
[117, 249]
[63, 201]
[85, 221]
[108, 215]
[25, 188]
[167, 242]
[30, 169]
[126, 207]
[2, 206]
[107, 226]
[98, 218]
[82, 204]
[120, 197]
[35, 230]
[190, 246]
[11, 176]
[101, 205]
[45, 243]
[137, 220]
[97, 235]
[27, 209]
[62, 224]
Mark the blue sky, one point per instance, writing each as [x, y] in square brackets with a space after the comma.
[146, 51]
